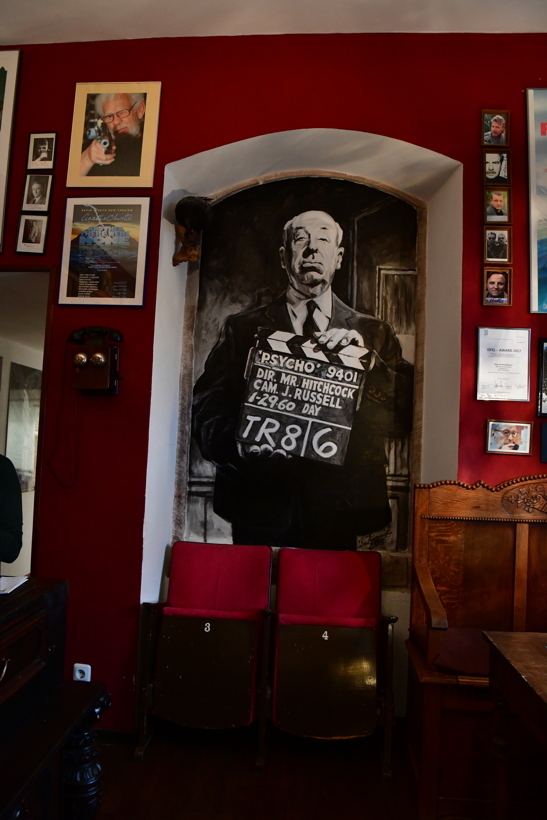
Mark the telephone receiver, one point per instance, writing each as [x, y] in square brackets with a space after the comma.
[95, 335]
[95, 362]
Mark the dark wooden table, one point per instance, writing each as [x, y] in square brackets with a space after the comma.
[518, 676]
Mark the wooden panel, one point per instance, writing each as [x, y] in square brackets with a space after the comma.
[420, 548]
[521, 499]
[446, 548]
[489, 567]
[536, 617]
[521, 577]
[23, 653]
[472, 565]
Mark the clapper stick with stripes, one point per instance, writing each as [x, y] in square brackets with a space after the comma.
[301, 400]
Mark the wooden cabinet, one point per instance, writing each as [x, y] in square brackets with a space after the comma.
[48, 758]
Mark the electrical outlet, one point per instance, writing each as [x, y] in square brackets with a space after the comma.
[81, 671]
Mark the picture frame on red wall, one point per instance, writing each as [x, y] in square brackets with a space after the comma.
[497, 205]
[114, 132]
[497, 287]
[104, 251]
[496, 166]
[37, 192]
[495, 126]
[32, 234]
[41, 151]
[498, 246]
[509, 438]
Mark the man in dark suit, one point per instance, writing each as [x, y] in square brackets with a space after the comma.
[269, 497]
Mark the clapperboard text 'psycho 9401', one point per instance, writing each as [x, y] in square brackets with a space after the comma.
[301, 400]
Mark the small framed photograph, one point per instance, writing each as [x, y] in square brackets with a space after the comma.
[542, 378]
[114, 130]
[497, 205]
[495, 127]
[37, 192]
[32, 234]
[498, 286]
[509, 437]
[496, 167]
[104, 251]
[41, 151]
[497, 245]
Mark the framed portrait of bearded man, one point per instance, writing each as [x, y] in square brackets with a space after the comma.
[114, 130]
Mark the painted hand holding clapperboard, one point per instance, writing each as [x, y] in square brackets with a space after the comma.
[300, 400]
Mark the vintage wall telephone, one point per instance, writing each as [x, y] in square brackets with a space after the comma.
[95, 362]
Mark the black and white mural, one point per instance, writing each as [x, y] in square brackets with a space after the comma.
[304, 346]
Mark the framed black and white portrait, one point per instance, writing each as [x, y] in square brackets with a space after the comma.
[497, 245]
[280, 452]
[37, 193]
[496, 167]
[32, 233]
[41, 151]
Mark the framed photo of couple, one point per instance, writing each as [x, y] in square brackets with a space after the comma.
[497, 245]
[114, 130]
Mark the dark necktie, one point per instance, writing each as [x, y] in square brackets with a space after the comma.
[310, 327]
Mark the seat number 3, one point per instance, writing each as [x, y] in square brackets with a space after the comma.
[207, 627]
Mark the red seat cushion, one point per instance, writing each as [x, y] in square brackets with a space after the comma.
[251, 615]
[219, 577]
[329, 584]
[327, 620]
[463, 651]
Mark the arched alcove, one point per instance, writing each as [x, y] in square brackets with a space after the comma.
[431, 181]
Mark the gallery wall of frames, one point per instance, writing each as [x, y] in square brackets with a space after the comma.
[179, 97]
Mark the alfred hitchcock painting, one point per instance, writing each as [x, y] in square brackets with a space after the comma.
[303, 368]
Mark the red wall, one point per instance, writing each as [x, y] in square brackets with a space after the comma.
[425, 89]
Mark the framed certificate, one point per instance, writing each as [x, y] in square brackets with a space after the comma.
[503, 372]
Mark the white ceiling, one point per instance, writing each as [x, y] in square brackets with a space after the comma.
[23, 304]
[57, 21]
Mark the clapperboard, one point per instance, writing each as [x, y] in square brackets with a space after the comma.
[300, 399]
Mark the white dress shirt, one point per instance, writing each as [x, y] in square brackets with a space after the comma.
[298, 309]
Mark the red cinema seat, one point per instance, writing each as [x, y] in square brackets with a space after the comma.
[333, 654]
[201, 652]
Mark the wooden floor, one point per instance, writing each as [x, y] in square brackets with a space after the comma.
[201, 775]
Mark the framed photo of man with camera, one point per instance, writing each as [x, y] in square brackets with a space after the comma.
[114, 130]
